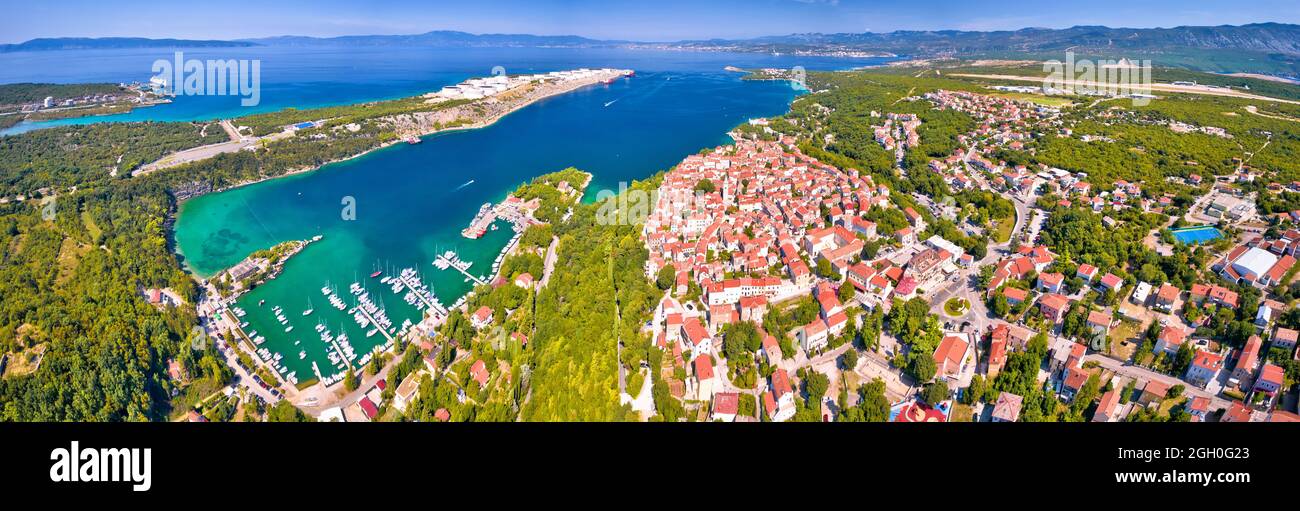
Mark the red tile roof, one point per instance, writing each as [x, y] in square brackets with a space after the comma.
[727, 403]
[780, 383]
[479, 372]
[704, 367]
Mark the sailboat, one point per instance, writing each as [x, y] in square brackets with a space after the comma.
[309, 309]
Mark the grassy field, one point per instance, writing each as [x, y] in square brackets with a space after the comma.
[961, 413]
[1002, 229]
[1126, 331]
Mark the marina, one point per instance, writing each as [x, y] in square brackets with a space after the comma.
[450, 260]
[216, 231]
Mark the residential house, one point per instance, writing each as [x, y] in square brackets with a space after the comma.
[1086, 272]
[950, 356]
[1205, 366]
[1108, 407]
[782, 395]
[1270, 379]
[1050, 282]
[1170, 339]
[1166, 297]
[1111, 282]
[1244, 370]
[1154, 392]
[696, 336]
[1015, 295]
[704, 378]
[1007, 408]
[813, 336]
[1075, 377]
[725, 406]
[1237, 412]
[1099, 322]
[406, 391]
[482, 318]
[1198, 408]
[1054, 306]
[998, 350]
[1284, 338]
[479, 372]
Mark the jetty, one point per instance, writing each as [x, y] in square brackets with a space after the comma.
[342, 356]
[452, 264]
[368, 316]
[410, 281]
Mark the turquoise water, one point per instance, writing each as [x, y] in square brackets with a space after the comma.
[413, 200]
[1195, 235]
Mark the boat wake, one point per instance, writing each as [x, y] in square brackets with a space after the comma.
[467, 183]
[611, 102]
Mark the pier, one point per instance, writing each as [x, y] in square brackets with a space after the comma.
[373, 322]
[343, 357]
[476, 280]
[413, 284]
[233, 320]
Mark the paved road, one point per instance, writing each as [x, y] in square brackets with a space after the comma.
[548, 266]
[1132, 371]
[207, 151]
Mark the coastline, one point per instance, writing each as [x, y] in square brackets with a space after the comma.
[489, 121]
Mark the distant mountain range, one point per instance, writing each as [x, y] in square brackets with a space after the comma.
[442, 38]
[90, 43]
[1224, 46]
[1259, 37]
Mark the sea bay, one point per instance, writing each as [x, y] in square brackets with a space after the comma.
[411, 201]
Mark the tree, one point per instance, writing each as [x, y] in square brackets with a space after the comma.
[705, 186]
[816, 384]
[873, 405]
[846, 292]
[666, 278]
[934, 393]
[284, 411]
[825, 270]
[922, 368]
[850, 358]
[350, 380]
[1183, 359]
[740, 340]
[985, 276]
[999, 306]
[975, 391]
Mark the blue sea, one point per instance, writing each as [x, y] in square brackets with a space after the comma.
[305, 77]
[413, 200]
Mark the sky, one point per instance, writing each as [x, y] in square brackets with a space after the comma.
[645, 20]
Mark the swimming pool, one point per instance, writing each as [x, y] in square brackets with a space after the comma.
[1198, 234]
